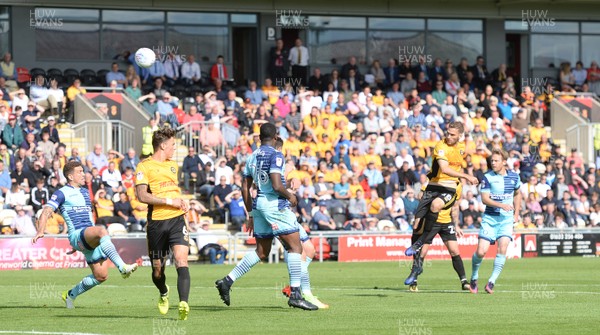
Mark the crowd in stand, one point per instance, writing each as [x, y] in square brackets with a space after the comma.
[357, 145]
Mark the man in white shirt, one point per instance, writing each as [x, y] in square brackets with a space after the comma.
[190, 71]
[112, 179]
[23, 223]
[40, 94]
[299, 60]
[405, 157]
[172, 65]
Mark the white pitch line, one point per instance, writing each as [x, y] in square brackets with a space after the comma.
[41, 333]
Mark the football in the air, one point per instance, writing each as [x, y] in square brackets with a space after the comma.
[145, 57]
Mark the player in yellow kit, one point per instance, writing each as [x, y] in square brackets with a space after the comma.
[448, 158]
[156, 185]
[448, 229]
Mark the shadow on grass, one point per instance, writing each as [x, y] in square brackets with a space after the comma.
[97, 316]
[29, 307]
[205, 308]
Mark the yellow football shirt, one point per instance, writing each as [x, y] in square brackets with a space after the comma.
[454, 156]
[161, 178]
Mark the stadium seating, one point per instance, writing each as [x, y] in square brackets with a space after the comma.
[101, 77]
[36, 72]
[88, 77]
[70, 75]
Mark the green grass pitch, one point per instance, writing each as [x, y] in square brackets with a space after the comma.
[532, 296]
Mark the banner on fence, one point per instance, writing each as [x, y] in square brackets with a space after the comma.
[391, 248]
[567, 244]
[51, 253]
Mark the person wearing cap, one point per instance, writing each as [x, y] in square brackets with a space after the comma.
[12, 135]
[321, 220]
[51, 129]
[270, 217]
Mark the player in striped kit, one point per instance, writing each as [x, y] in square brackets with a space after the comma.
[500, 194]
[93, 241]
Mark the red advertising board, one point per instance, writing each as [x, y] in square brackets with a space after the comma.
[51, 253]
[366, 248]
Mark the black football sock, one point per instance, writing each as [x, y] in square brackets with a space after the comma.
[159, 281]
[183, 283]
[459, 267]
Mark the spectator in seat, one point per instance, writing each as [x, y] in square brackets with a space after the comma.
[5, 183]
[222, 169]
[322, 220]
[211, 135]
[172, 64]
[115, 75]
[124, 210]
[305, 206]
[220, 193]
[140, 209]
[55, 223]
[9, 71]
[72, 92]
[23, 177]
[16, 196]
[128, 178]
[237, 209]
[165, 109]
[190, 71]
[52, 131]
[256, 95]
[23, 223]
[133, 90]
[150, 105]
[130, 160]
[206, 180]
[219, 70]
[39, 195]
[105, 210]
[96, 159]
[190, 168]
[395, 206]
[12, 135]
[112, 180]
[357, 209]
[208, 244]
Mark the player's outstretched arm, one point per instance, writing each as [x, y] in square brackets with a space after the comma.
[445, 167]
[46, 213]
